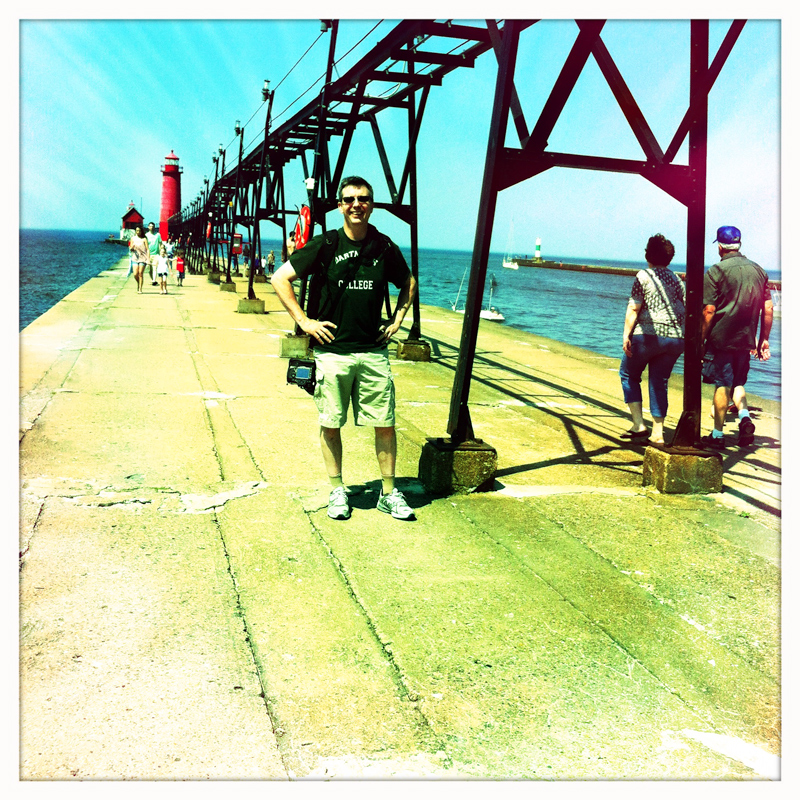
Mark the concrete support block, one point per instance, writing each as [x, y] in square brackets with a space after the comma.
[214, 277]
[682, 470]
[251, 306]
[259, 279]
[413, 350]
[295, 346]
[224, 286]
[446, 468]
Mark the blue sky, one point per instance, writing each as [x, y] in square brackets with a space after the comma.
[103, 101]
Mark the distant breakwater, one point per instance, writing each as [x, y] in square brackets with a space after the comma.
[544, 264]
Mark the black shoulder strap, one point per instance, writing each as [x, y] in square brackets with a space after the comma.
[328, 249]
[325, 255]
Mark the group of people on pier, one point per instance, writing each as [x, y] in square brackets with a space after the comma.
[736, 324]
[146, 249]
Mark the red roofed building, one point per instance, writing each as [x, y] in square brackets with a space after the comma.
[130, 220]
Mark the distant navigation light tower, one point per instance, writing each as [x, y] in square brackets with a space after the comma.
[170, 193]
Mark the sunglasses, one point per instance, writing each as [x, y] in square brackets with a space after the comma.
[362, 198]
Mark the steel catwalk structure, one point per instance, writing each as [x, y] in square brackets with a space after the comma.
[397, 73]
[254, 189]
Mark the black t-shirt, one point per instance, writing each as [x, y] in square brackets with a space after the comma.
[737, 288]
[357, 314]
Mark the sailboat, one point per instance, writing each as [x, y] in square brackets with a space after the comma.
[491, 312]
[509, 261]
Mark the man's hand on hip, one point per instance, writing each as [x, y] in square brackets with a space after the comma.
[321, 331]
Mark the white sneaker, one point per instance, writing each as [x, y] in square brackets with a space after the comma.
[395, 504]
[338, 504]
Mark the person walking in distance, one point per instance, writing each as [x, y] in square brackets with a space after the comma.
[652, 337]
[736, 296]
[139, 249]
[350, 270]
[162, 268]
[154, 240]
[170, 248]
[180, 269]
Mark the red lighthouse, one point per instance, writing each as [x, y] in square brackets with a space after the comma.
[170, 193]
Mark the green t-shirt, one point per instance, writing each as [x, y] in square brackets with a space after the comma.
[737, 288]
[357, 314]
[154, 240]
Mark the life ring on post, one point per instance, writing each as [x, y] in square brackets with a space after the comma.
[302, 228]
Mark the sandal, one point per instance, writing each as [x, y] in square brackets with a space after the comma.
[635, 434]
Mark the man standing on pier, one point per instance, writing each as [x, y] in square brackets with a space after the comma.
[735, 296]
[352, 267]
[155, 248]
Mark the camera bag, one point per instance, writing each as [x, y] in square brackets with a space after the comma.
[302, 372]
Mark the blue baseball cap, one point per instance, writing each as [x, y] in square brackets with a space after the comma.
[728, 234]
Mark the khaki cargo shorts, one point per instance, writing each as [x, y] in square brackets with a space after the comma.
[364, 378]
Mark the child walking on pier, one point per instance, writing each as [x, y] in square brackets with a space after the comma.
[162, 269]
[180, 269]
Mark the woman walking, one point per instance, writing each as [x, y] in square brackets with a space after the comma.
[140, 255]
[652, 337]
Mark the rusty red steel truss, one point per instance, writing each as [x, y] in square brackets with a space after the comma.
[506, 166]
[398, 73]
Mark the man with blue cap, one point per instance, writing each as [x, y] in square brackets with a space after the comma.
[735, 296]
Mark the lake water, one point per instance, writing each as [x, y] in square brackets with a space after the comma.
[584, 309]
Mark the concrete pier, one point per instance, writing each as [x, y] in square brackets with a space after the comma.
[189, 611]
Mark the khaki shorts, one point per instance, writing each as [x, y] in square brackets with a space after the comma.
[366, 378]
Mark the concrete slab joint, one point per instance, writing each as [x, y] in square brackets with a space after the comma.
[674, 472]
[447, 468]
